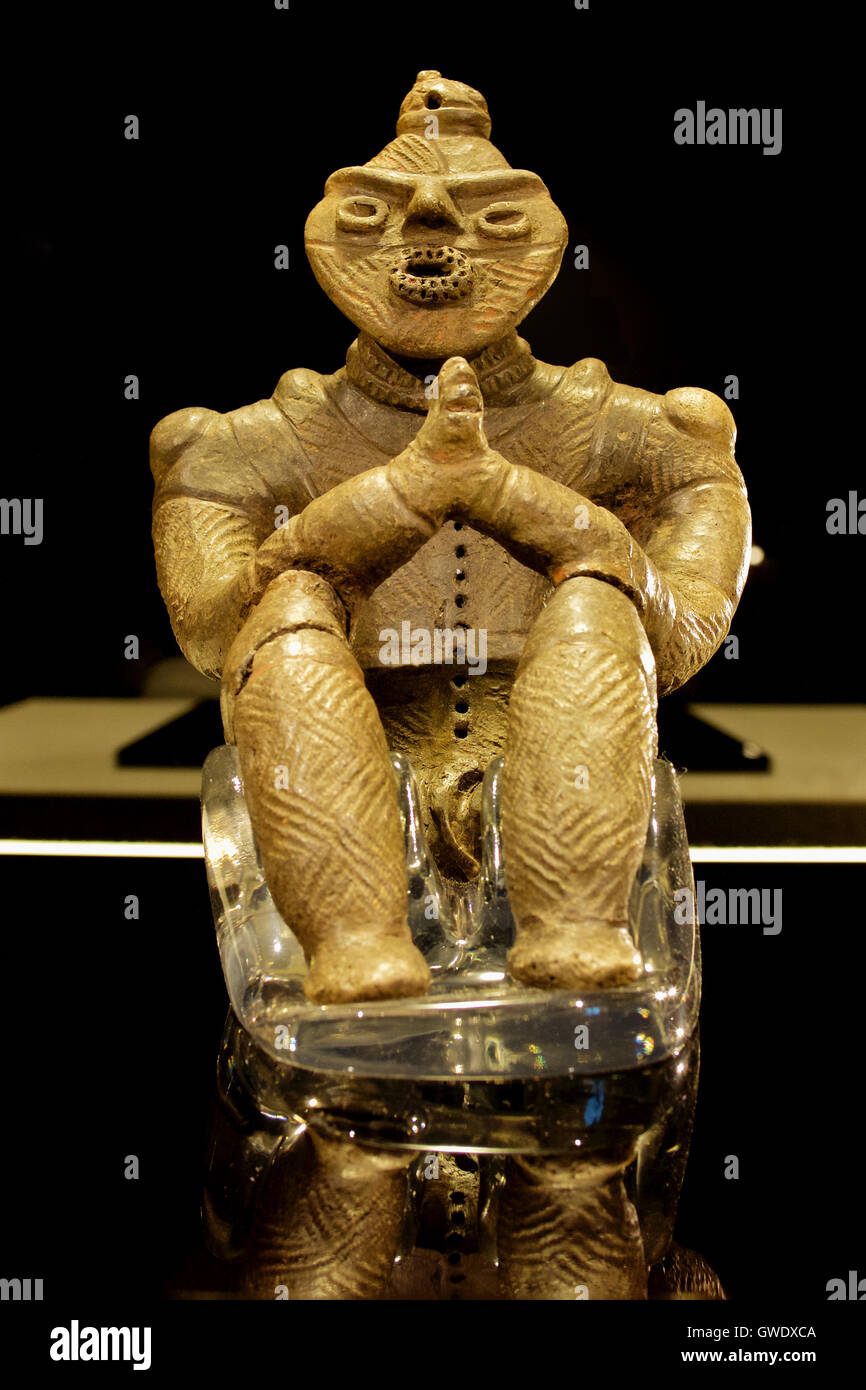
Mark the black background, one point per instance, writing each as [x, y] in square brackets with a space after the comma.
[155, 257]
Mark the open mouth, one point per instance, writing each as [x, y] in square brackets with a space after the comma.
[431, 275]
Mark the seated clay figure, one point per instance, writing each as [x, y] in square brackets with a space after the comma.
[590, 538]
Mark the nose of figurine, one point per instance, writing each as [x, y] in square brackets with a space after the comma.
[431, 208]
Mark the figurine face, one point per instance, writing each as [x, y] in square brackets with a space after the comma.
[435, 265]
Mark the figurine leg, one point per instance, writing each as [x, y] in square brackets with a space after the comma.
[579, 750]
[322, 799]
[568, 1231]
[328, 1222]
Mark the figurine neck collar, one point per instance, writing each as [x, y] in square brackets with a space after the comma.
[499, 367]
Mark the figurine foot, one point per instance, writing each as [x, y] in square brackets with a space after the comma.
[588, 955]
[364, 968]
[567, 1230]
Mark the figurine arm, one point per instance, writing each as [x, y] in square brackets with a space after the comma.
[693, 522]
[354, 536]
[699, 551]
[217, 550]
[687, 577]
[202, 555]
[359, 533]
[203, 546]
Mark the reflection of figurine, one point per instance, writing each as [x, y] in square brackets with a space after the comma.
[298, 1212]
[599, 540]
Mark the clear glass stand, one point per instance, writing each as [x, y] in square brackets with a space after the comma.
[476, 1023]
[480, 1066]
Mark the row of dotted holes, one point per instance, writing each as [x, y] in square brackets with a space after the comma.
[462, 705]
[455, 1238]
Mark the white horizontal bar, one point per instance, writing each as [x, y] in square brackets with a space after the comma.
[104, 849]
[701, 854]
[778, 854]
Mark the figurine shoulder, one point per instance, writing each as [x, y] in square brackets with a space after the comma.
[690, 409]
[301, 385]
[661, 441]
[691, 441]
[702, 415]
[175, 433]
[202, 454]
[587, 381]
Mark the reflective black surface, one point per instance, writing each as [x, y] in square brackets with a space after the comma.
[112, 1030]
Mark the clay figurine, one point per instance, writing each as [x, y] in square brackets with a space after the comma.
[341, 555]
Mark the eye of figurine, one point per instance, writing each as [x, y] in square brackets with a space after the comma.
[361, 213]
[504, 220]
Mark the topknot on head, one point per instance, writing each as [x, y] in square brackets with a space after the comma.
[459, 109]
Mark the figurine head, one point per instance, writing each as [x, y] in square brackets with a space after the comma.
[436, 247]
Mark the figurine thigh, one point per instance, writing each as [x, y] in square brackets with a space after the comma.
[567, 1230]
[323, 804]
[579, 750]
[328, 1221]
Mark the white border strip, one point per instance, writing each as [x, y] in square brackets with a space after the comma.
[104, 849]
[159, 849]
[778, 854]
